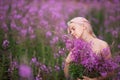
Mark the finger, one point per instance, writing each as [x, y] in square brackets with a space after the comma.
[78, 79]
[85, 78]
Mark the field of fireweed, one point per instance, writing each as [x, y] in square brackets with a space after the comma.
[33, 34]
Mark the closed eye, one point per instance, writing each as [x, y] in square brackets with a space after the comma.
[70, 29]
[70, 32]
[73, 28]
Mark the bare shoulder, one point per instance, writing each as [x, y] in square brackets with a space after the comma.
[104, 46]
[102, 43]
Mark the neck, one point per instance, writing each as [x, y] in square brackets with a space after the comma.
[87, 37]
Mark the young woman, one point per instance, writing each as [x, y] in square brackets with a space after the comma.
[80, 28]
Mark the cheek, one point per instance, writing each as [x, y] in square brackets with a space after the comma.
[79, 32]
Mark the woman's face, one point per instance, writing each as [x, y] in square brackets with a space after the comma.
[75, 30]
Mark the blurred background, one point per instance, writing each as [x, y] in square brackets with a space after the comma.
[32, 34]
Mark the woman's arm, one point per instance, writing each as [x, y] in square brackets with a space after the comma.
[66, 70]
[67, 63]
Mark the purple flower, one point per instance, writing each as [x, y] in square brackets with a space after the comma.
[24, 21]
[4, 27]
[62, 24]
[5, 44]
[17, 16]
[63, 64]
[100, 37]
[61, 52]
[32, 10]
[34, 60]
[32, 36]
[112, 18]
[38, 78]
[50, 69]
[106, 52]
[25, 71]
[115, 33]
[15, 64]
[56, 55]
[44, 68]
[103, 73]
[48, 34]
[69, 44]
[54, 40]
[30, 30]
[65, 38]
[57, 68]
[83, 54]
[81, 51]
[23, 32]
[117, 59]
[119, 46]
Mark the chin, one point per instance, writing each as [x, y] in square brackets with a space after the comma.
[77, 37]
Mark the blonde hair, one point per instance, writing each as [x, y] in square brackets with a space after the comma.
[85, 22]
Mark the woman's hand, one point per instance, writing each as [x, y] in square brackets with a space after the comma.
[87, 78]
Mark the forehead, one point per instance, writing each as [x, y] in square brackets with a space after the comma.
[75, 25]
[72, 25]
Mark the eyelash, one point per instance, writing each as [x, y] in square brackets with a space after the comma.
[73, 29]
[70, 30]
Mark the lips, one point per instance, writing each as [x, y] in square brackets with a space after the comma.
[75, 36]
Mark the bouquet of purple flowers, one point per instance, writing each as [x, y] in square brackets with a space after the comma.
[86, 62]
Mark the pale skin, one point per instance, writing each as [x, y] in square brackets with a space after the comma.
[80, 32]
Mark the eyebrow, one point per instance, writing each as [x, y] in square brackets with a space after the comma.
[71, 27]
